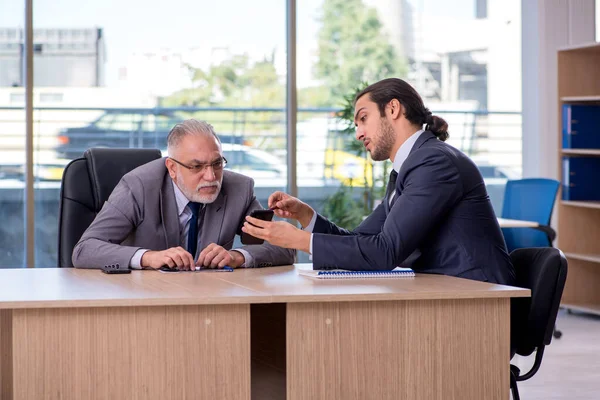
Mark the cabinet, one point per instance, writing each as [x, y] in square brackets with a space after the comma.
[579, 221]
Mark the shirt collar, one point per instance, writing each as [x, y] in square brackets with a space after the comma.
[182, 201]
[404, 150]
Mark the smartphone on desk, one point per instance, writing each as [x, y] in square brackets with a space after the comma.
[265, 215]
[116, 271]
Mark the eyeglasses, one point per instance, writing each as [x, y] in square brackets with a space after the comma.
[217, 165]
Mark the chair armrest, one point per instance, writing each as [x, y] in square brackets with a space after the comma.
[548, 231]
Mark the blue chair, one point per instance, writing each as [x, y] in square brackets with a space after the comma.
[529, 200]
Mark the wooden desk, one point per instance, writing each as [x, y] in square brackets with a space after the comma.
[82, 334]
[74, 334]
[417, 338]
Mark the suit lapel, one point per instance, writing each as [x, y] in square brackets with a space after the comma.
[421, 140]
[170, 218]
[212, 222]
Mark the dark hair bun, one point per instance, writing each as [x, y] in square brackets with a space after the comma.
[438, 126]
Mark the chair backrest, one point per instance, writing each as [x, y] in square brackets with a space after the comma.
[543, 270]
[86, 184]
[530, 200]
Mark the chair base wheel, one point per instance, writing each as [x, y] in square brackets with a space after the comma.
[557, 334]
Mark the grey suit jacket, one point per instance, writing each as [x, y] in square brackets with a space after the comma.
[141, 212]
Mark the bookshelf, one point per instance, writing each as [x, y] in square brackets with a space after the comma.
[585, 204]
[581, 152]
[579, 221]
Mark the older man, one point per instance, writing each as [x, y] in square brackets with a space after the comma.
[181, 211]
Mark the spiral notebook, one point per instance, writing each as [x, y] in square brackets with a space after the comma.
[345, 274]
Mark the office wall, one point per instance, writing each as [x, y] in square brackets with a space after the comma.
[546, 26]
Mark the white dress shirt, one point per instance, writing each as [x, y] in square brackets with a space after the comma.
[185, 214]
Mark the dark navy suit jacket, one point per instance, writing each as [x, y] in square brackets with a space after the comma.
[441, 215]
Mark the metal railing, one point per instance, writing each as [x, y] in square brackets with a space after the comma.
[254, 137]
[63, 133]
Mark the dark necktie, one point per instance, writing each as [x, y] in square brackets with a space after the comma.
[192, 243]
[391, 186]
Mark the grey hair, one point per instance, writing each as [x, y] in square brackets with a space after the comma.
[189, 127]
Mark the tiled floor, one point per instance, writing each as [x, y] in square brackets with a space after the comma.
[571, 365]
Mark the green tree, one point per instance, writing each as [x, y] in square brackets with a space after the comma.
[343, 209]
[235, 82]
[353, 48]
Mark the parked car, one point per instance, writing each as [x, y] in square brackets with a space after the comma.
[46, 167]
[495, 173]
[118, 128]
[266, 169]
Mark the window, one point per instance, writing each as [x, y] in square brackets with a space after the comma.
[12, 137]
[471, 80]
[125, 87]
[104, 122]
[126, 122]
[17, 98]
[268, 171]
[51, 97]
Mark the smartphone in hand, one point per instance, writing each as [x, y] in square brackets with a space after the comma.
[265, 215]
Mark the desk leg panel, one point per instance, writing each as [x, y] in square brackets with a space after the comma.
[6, 358]
[435, 349]
[170, 352]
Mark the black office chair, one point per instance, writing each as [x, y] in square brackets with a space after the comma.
[543, 270]
[86, 184]
[519, 203]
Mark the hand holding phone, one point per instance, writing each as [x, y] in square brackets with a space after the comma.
[290, 207]
[265, 215]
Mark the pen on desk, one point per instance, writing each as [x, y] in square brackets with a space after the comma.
[225, 268]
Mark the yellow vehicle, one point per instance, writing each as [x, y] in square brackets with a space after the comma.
[349, 169]
[323, 152]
